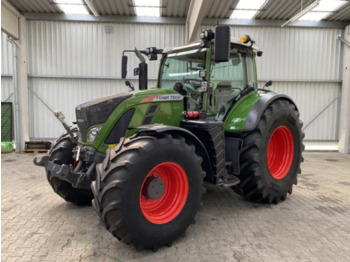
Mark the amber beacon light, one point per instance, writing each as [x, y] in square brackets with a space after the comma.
[245, 39]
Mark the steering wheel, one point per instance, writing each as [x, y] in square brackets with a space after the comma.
[194, 82]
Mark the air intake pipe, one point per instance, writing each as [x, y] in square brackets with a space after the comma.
[142, 70]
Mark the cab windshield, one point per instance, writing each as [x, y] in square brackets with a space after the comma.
[184, 67]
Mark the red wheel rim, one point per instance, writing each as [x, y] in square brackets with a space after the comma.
[171, 202]
[280, 152]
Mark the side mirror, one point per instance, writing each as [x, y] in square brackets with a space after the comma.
[222, 43]
[130, 85]
[124, 66]
[268, 83]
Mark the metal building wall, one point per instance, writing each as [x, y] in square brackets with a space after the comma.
[72, 62]
[304, 63]
[6, 69]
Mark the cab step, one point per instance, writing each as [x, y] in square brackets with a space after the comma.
[232, 181]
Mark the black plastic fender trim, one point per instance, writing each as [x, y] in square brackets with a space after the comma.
[259, 108]
[200, 148]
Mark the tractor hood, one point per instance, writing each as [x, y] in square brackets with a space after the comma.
[97, 111]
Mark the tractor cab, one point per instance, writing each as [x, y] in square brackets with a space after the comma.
[194, 71]
[212, 74]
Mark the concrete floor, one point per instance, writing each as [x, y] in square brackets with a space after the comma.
[313, 224]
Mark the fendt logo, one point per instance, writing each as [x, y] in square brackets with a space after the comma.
[168, 98]
[157, 98]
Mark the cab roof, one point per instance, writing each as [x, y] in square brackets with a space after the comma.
[234, 40]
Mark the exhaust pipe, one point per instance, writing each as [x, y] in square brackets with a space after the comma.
[143, 70]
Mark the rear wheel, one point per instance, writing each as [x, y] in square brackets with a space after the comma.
[62, 153]
[271, 154]
[147, 192]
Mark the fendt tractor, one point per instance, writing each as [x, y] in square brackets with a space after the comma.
[141, 157]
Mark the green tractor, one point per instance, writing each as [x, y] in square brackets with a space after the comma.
[142, 156]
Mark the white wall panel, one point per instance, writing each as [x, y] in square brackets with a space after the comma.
[6, 56]
[294, 53]
[311, 99]
[64, 95]
[84, 49]
[293, 58]
[93, 49]
[6, 89]
[6, 69]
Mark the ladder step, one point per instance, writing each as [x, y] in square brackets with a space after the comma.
[232, 181]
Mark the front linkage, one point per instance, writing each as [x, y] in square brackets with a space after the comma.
[74, 174]
[65, 172]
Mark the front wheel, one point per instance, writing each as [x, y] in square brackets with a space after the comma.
[272, 154]
[148, 191]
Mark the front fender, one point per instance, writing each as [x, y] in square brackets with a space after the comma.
[155, 129]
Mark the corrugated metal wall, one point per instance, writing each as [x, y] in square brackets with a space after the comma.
[312, 98]
[304, 63]
[6, 69]
[6, 56]
[295, 54]
[91, 50]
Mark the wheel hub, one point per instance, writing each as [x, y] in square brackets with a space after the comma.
[155, 188]
[164, 193]
[280, 152]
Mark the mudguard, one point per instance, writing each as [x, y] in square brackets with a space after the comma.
[173, 130]
[246, 113]
[260, 106]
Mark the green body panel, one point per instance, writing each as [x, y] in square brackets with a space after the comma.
[167, 113]
[236, 117]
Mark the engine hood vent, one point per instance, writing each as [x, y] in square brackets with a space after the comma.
[97, 111]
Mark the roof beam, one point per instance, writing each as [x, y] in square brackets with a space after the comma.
[302, 12]
[92, 7]
[106, 18]
[195, 15]
[276, 23]
[181, 21]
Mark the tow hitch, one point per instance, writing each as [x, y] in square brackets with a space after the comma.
[65, 172]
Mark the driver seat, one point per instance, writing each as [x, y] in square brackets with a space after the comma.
[223, 94]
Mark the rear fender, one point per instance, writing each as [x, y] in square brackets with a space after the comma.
[246, 113]
[259, 107]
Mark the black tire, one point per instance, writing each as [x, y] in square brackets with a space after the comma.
[120, 179]
[258, 184]
[62, 153]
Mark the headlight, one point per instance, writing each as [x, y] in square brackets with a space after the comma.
[93, 132]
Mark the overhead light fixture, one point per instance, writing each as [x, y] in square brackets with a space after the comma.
[72, 6]
[147, 7]
[247, 9]
[322, 10]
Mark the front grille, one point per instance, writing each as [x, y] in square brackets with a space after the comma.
[97, 111]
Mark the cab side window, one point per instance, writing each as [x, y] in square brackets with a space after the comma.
[227, 79]
[251, 70]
